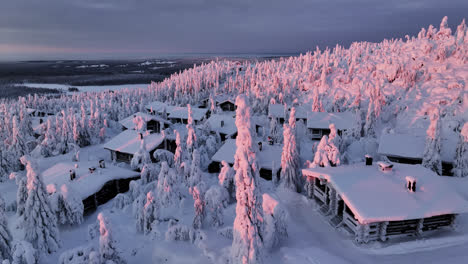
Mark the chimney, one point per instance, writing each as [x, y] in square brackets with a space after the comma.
[385, 167]
[222, 123]
[368, 160]
[411, 184]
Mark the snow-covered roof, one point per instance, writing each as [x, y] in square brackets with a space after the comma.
[276, 110]
[156, 106]
[302, 111]
[30, 111]
[129, 141]
[182, 112]
[85, 183]
[229, 127]
[376, 196]
[128, 122]
[411, 146]
[222, 98]
[270, 154]
[322, 120]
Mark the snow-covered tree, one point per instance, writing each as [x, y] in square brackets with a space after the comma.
[148, 214]
[317, 102]
[369, 126]
[107, 248]
[431, 156]
[40, 222]
[191, 134]
[274, 129]
[5, 236]
[247, 244]
[460, 166]
[226, 179]
[334, 137]
[78, 255]
[149, 172]
[195, 170]
[24, 253]
[179, 152]
[199, 205]
[167, 190]
[140, 157]
[327, 154]
[21, 197]
[69, 206]
[290, 170]
[275, 217]
[217, 198]
[139, 123]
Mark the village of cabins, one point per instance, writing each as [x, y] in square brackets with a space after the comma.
[411, 198]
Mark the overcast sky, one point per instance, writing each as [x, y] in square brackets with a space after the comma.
[70, 29]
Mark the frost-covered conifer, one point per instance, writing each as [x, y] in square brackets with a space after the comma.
[216, 199]
[199, 205]
[70, 205]
[5, 236]
[191, 135]
[327, 154]
[460, 166]
[334, 137]
[290, 174]
[107, 248]
[148, 214]
[247, 244]
[195, 170]
[317, 102]
[274, 129]
[40, 222]
[178, 155]
[24, 253]
[275, 216]
[226, 179]
[369, 126]
[140, 157]
[149, 173]
[21, 197]
[167, 190]
[140, 124]
[431, 156]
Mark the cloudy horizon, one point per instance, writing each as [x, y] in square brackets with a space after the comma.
[57, 29]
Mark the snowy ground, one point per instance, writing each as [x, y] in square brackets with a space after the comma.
[90, 88]
[311, 239]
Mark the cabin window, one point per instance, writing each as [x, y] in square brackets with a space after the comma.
[316, 131]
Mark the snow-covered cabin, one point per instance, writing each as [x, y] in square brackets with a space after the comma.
[378, 202]
[153, 122]
[318, 123]
[93, 185]
[278, 111]
[269, 158]
[225, 102]
[409, 149]
[123, 146]
[225, 125]
[38, 113]
[179, 114]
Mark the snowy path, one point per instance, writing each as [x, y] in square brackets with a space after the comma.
[312, 240]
